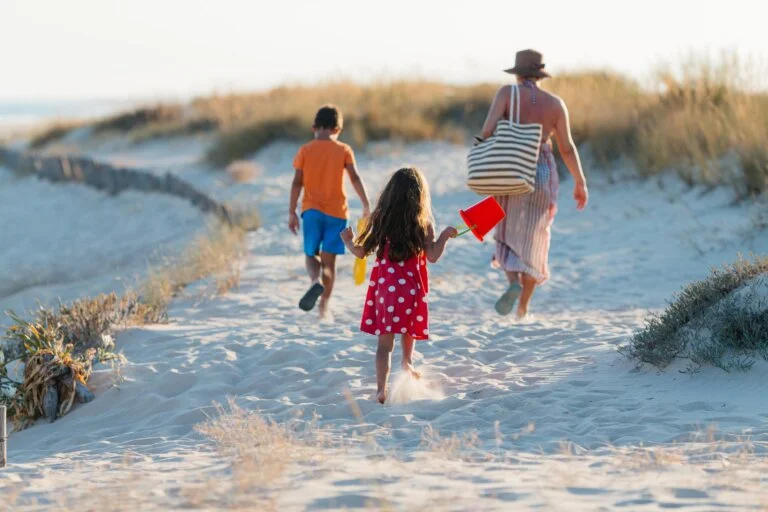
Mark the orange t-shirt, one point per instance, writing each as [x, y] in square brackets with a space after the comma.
[323, 163]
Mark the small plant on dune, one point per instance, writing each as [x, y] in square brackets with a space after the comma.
[707, 323]
[59, 348]
[52, 372]
[85, 322]
[216, 254]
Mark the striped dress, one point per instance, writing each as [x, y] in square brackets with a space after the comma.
[522, 238]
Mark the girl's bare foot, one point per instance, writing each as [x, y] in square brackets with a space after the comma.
[381, 396]
[408, 367]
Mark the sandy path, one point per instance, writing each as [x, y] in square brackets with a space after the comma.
[524, 389]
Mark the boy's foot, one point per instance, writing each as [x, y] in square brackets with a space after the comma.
[381, 396]
[326, 316]
[309, 299]
[408, 367]
[506, 302]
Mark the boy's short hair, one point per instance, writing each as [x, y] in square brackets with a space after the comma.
[329, 117]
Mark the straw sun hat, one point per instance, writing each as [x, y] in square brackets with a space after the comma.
[528, 63]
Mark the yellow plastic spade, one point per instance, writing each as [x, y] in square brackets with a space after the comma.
[358, 270]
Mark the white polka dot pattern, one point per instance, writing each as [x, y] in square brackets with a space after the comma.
[391, 283]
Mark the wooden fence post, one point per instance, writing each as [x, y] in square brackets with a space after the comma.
[3, 438]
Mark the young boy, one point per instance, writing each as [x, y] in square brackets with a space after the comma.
[320, 166]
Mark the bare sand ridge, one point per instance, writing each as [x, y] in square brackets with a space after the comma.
[547, 414]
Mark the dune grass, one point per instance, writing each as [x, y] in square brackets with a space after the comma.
[216, 254]
[701, 118]
[708, 324]
[52, 133]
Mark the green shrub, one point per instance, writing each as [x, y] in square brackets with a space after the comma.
[707, 324]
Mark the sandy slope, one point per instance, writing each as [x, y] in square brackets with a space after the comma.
[559, 417]
[66, 241]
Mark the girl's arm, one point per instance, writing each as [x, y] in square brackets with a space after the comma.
[348, 236]
[435, 248]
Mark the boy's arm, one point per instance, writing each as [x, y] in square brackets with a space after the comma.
[435, 248]
[296, 186]
[359, 186]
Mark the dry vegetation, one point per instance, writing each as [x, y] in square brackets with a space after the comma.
[52, 133]
[59, 346]
[699, 120]
[708, 324]
[216, 254]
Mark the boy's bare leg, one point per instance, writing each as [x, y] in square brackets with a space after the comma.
[328, 276]
[529, 285]
[316, 288]
[408, 343]
[383, 359]
[313, 265]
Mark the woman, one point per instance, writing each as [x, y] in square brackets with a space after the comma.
[522, 238]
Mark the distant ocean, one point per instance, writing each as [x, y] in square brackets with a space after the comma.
[21, 114]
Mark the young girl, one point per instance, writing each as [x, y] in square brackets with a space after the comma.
[401, 232]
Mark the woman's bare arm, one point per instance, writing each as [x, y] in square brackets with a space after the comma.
[496, 112]
[571, 156]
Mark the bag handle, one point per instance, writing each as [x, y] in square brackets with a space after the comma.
[514, 104]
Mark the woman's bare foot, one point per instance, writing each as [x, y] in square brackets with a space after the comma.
[381, 396]
[521, 313]
[408, 367]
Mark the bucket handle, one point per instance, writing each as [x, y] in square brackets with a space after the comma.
[465, 231]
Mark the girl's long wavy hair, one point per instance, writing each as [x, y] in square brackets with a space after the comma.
[402, 217]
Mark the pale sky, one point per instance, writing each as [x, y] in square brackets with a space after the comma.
[55, 49]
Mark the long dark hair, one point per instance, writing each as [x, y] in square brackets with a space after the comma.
[403, 217]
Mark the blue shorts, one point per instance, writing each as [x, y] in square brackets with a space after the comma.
[322, 233]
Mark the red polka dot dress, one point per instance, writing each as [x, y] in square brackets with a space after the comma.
[396, 302]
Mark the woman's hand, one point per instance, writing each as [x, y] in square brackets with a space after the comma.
[581, 195]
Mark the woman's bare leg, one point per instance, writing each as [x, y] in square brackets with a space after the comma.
[506, 302]
[408, 343]
[529, 285]
[383, 359]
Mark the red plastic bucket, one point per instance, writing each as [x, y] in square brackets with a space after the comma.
[482, 217]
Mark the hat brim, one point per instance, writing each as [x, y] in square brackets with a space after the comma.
[538, 73]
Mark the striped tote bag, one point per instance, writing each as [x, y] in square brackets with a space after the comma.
[504, 164]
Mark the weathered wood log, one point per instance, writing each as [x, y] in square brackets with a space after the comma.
[3, 438]
[83, 395]
[110, 179]
[51, 402]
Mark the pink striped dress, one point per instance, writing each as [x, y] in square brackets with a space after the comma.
[522, 238]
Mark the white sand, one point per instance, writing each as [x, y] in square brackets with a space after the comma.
[67, 240]
[559, 417]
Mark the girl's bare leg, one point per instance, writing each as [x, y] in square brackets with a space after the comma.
[513, 277]
[408, 343]
[529, 285]
[383, 359]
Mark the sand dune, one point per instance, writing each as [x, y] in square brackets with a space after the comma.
[545, 412]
